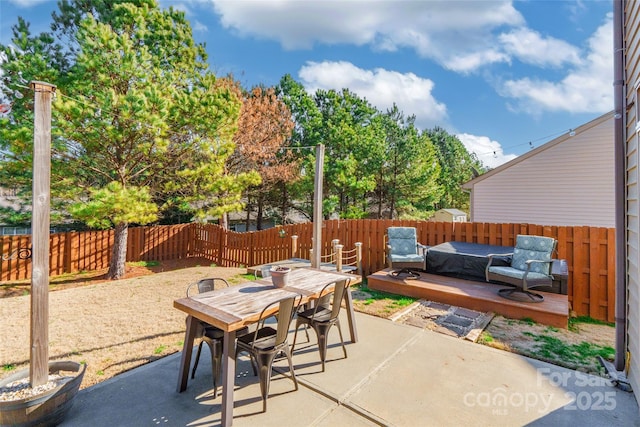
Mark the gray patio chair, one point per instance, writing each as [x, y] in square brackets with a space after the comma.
[404, 254]
[530, 267]
[209, 334]
[322, 317]
[266, 342]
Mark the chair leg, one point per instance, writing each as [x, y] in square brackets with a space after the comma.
[516, 294]
[295, 336]
[287, 352]
[265, 361]
[216, 360]
[195, 364]
[344, 349]
[321, 331]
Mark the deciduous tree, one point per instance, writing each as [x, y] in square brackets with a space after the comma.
[264, 132]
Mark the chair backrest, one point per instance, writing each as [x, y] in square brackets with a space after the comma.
[402, 240]
[287, 308]
[338, 295]
[209, 284]
[537, 248]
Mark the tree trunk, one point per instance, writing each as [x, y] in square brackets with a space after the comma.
[260, 202]
[119, 252]
[284, 203]
[249, 209]
[380, 192]
[224, 221]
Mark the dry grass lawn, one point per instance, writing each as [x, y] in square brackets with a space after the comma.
[115, 326]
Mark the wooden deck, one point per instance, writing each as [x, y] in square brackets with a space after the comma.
[296, 263]
[479, 296]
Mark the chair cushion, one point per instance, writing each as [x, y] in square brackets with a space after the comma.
[406, 258]
[533, 248]
[402, 240]
[516, 273]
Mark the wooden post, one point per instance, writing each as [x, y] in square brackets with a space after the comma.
[338, 257]
[294, 246]
[317, 207]
[39, 366]
[359, 257]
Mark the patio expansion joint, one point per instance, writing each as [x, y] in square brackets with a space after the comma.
[345, 401]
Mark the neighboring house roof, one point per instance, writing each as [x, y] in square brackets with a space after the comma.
[568, 181]
[469, 184]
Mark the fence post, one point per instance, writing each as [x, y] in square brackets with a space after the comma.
[338, 257]
[359, 257]
[223, 234]
[294, 246]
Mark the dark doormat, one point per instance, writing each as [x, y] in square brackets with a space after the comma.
[446, 319]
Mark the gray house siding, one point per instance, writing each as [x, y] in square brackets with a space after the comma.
[568, 181]
[632, 196]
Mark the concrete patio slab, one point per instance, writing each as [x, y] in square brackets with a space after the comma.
[396, 375]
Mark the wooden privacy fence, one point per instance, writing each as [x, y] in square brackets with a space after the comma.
[589, 251]
[91, 250]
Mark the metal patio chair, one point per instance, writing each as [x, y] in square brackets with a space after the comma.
[266, 342]
[404, 254]
[209, 334]
[322, 317]
[530, 268]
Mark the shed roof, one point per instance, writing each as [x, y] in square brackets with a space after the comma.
[452, 211]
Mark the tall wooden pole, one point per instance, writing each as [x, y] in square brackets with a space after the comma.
[39, 367]
[317, 208]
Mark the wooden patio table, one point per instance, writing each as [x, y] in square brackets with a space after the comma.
[232, 308]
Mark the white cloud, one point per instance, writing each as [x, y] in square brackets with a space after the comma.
[489, 152]
[412, 94]
[460, 36]
[26, 3]
[531, 48]
[199, 27]
[585, 89]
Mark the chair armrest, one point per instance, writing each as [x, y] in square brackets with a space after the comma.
[537, 261]
[529, 262]
[491, 256]
[490, 260]
[189, 289]
[423, 247]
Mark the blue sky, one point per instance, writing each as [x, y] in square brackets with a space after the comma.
[504, 76]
